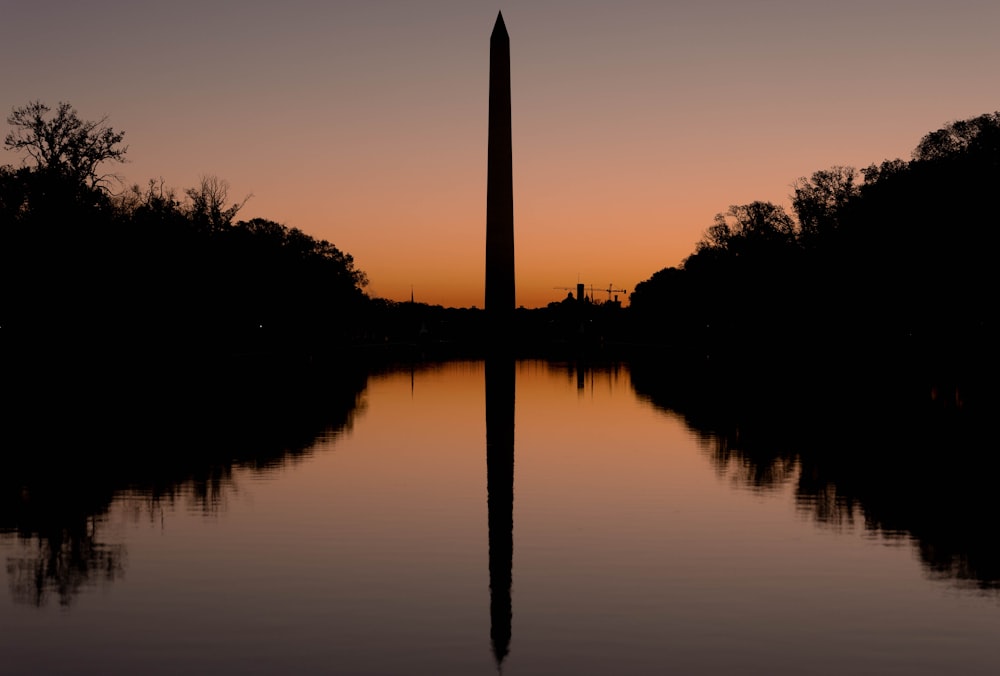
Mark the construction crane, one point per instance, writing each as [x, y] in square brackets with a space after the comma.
[581, 288]
[611, 289]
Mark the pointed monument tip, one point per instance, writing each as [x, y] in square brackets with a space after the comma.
[500, 26]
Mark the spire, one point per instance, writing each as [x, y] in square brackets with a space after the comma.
[499, 191]
[499, 28]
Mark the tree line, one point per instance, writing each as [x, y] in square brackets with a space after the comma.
[87, 261]
[892, 260]
[889, 264]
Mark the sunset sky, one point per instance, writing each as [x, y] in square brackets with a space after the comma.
[634, 122]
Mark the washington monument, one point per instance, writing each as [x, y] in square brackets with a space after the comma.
[500, 186]
[500, 376]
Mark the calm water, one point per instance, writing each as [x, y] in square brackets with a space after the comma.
[462, 514]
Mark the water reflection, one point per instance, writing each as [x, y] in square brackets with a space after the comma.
[500, 394]
[902, 465]
[67, 460]
[63, 549]
[373, 558]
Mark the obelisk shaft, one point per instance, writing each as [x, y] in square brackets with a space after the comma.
[500, 186]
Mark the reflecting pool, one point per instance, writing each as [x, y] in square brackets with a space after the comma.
[462, 517]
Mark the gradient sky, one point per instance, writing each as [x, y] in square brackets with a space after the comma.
[634, 122]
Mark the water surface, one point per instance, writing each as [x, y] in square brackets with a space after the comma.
[542, 516]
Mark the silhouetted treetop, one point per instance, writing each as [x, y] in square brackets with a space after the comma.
[819, 200]
[978, 135]
[298, 248]
[747, 226]
[64, 144]
[874, 173]
[208, 208]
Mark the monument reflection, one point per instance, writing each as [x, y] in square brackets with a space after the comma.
[500, 393]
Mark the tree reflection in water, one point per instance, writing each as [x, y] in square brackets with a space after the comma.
[893, 454]
[65, 556]
[69, 455]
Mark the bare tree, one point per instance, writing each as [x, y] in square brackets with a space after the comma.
[208, 202]
[63, 143]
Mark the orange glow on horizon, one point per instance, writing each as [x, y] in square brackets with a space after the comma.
[366, 124]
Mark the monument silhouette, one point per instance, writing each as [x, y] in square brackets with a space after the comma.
[500, 371]
[500, 186]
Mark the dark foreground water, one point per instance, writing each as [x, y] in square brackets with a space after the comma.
[543, 517]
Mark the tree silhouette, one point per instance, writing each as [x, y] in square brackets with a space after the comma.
[115, 274]
[819, 201]
[65, 144]
[978, 135]
[207, 206]
[747, 227]
[891, 270]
